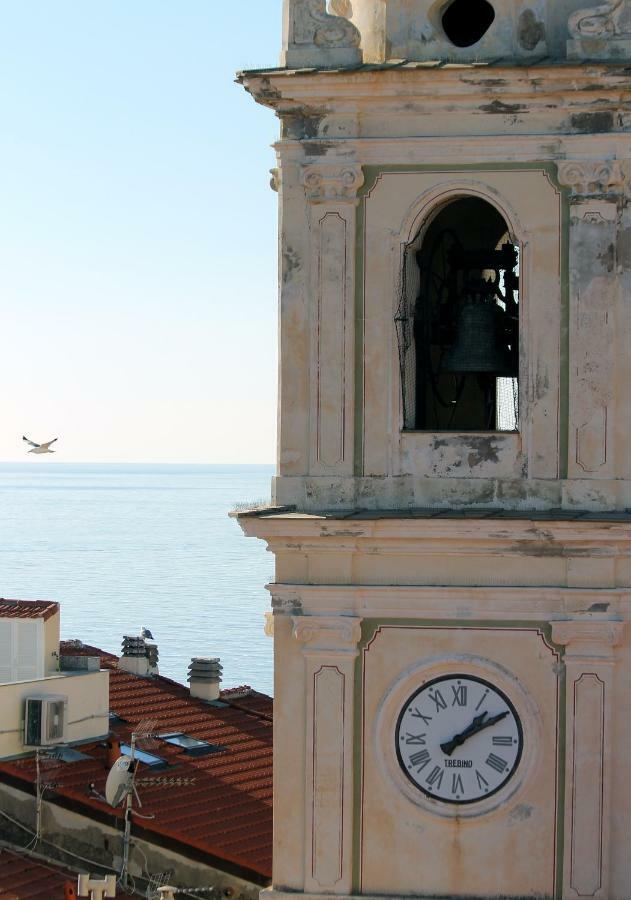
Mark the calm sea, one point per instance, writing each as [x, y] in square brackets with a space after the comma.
[127, 546]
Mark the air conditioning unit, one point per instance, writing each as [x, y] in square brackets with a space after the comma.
[45, 720]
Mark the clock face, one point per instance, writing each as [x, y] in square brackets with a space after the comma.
[459, 739]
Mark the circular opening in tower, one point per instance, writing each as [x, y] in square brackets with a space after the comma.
[465, 22]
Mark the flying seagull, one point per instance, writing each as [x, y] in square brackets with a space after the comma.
[40, 448]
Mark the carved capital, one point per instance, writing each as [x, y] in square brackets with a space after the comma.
[328, 632]
[324, 184]
[586, 177]
[274, 181]
[317, 38]
[591, 638]
[601, 21]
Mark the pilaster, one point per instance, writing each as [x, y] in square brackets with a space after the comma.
[589, 660]
[331, 192]
[594, 299]
[330, 651]
[294, 320]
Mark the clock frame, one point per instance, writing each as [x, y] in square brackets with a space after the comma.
[444, 715]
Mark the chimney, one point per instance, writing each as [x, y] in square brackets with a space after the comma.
[152, 656]
[204, 674]
[139, 657]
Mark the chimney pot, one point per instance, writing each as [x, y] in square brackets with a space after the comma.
[204, 675]
[134, 658]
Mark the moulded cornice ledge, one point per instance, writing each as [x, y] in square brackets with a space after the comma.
[463, 87]
[520, 536]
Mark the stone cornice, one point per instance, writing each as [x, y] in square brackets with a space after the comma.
[585, 177]
[332, 182]
[409, 534]
[460, 604]
[514, 89]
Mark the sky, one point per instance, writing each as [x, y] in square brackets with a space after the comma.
[138, 281]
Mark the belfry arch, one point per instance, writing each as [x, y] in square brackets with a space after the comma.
[457, 320]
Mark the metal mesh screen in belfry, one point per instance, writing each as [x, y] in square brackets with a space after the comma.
[507, 410]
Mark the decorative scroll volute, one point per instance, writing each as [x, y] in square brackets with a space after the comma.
[600, 21]
[587, 177]
[332, 632]
[315, 37]
[324, 184]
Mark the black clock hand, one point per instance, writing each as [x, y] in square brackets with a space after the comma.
[480, 723]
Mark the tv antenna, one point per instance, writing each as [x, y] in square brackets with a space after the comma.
[122, 782]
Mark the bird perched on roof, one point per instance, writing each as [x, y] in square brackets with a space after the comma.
[40, 448]
[146, 634]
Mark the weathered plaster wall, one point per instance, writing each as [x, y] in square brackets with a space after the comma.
[364, 160]
[562, 654]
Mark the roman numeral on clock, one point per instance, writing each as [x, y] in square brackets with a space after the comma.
[415, 739]
[420, 760]
[497, 763]
[482, 782]
[457, 787]
[460, 695]
[417, 714]
[437, 698]
[502, 741]
[483, 698]
[435, 777]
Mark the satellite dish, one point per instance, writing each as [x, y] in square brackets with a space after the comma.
[119, 780]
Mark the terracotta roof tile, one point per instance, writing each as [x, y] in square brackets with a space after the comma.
[222, 805]
[27, 609]
[24, 878]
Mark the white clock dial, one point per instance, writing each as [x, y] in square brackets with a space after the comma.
[459, 739]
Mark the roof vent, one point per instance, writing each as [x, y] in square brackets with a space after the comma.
[140, 657]
[204, 675]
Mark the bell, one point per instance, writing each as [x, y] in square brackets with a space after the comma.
[478, 347]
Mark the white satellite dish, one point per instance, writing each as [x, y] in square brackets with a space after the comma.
[119, 781]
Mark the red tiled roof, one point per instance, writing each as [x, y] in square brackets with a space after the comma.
[222, 807]
[24, 878]
[27, 609]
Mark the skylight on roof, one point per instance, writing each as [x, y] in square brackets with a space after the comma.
[193, 746]
[149, 759]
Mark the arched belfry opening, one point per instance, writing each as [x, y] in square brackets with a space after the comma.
[458, 322]
[465, 22]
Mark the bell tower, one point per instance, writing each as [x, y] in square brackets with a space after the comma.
[452, 510]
